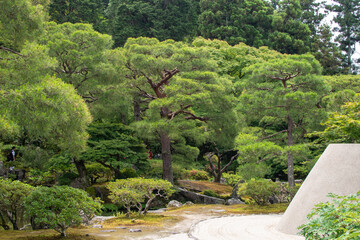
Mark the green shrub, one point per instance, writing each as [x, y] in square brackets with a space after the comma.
[67, 178]
[60, 207]
[337, 219]
[110, 208]
[127, 173]
[132, 192]
[12, 198]
[232, 179]
[98, 173]
[156, 170]
[259, 190]
[254, 170]
[38, 177]
[211, 193]
[196, 175]
[91, 191]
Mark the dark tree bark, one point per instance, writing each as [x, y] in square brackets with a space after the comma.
[137, 108]
[83, 176]
[291, 125]
[166, 157]
[217, 172]
[13, 219]
[3, 222]
[117, 173]
[290, 160]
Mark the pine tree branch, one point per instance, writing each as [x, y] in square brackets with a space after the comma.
[273, 135]
[192, 116]
[230, 162]
[10, 50]
[166, 76]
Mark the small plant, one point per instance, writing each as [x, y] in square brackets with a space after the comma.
[337, 219]
[132, 192]
[259, 190]
[67, 178]
[211, 193]
[196, 175]
[232, 179]
[156, 170]
[110, 208]
[128, 173]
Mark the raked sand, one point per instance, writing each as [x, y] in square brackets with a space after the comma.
[251, 227]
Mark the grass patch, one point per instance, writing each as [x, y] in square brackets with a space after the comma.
[256, 209]
[44, 235]
[135, 219]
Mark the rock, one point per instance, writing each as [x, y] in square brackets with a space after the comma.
[87, 235]
[298, 181]
[133, 220]
[121, 227]
[107, 231]
[26, 227]
[189, 203]
[135, 230]
[85, 218]
[273, 200]
[233, 201]
[218, 210]
[161, 210]
[99, 219]
[174, 203]
[222, 180]
[235, 190]
[97, 226]
[200, 198]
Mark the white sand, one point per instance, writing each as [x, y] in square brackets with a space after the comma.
[253, 227]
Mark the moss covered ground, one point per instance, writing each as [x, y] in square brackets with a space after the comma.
[151, 224]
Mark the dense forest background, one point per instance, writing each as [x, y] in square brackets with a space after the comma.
[92, 89]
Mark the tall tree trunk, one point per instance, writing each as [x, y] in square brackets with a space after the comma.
[13, 219]
[117, 173]
[217, 176]
[137, 109]
[166, 157]
[3, 222]
[63, 232]
[80, 166]
[290, 160]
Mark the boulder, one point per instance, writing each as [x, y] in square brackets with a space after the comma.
[160, 210]
[235, 190]
[274, 200]
[107, 231]
[189, 203]
[200, 198]
[97, 226]
[100, 219]
[174, 203]
[233, 201]
[299, 181]
[135, 230]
